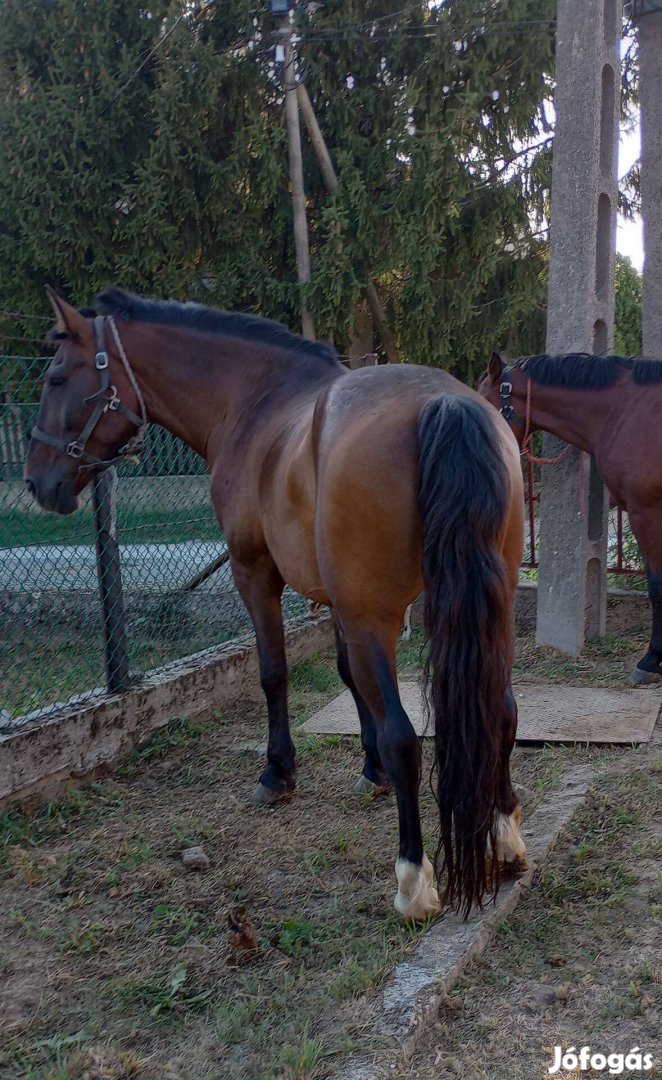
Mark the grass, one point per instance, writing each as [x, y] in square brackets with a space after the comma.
[578, 962]
[64, 668]
[125, 964]
[128, 956]
[606, 662]
[20, 528]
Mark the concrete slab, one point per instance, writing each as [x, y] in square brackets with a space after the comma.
[59, 568]
[413, 995]
[546, 714]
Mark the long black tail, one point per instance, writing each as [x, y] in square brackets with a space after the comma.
[463, 497]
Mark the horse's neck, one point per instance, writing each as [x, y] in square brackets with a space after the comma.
[199, 388]
[576, 416]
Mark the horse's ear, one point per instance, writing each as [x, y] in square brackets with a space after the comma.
[68, 320]
[495, 366]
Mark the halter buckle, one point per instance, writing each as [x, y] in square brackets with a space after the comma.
[506, 387]
[101, 360]
[75, 449]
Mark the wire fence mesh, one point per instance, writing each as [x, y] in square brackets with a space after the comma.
[57, 640]
[53, 628]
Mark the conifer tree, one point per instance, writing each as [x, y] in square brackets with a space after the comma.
[142, 142]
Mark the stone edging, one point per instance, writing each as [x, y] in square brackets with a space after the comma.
[414, 993]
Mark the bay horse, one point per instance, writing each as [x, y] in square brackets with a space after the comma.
[610, 407]
[356, 488]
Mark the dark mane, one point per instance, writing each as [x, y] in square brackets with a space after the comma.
[586, 372]
[124, 305]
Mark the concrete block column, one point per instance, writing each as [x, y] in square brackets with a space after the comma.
[648, 15]
[580, 315]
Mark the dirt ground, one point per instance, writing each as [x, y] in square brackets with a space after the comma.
[116, 962]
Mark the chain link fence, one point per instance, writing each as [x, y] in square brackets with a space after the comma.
[127, 584]
[135, 579]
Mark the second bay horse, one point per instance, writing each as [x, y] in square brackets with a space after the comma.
[610, 407]
[356, 488]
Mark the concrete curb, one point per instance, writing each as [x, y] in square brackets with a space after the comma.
[418, 986]
[37, 758]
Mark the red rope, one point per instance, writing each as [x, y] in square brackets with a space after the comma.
[528, 437]
[533, 460]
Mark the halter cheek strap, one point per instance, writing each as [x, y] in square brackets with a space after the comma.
[105, 400]
[507, 410]
[506, 407]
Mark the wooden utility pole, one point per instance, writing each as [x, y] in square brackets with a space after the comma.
[301, 244]
[331, 180]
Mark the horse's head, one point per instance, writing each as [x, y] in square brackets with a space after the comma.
[83, 423]
[497, 387]
[489, 384]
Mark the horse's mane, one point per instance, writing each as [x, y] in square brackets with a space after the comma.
[586, 372]
[124, 305]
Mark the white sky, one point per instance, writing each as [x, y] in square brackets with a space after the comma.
[629, 236]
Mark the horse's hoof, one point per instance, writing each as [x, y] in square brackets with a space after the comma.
[364, 786]
[639, 677]
[264, 796]
[417, 898]
[514, 867]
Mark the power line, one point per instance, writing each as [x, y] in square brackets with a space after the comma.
[162, 40]
[23, 317]
[427, 30]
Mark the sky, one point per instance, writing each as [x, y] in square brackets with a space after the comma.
[629, 237]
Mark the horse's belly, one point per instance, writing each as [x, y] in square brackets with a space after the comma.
[294, 554]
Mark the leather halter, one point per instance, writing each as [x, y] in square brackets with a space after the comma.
[506, 407]
[507, 410]
[105, 400]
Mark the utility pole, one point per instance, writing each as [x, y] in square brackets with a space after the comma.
[331, 180]
[301, 244]
[572, 590]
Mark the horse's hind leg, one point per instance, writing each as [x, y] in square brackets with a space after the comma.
[373, 779]
[372, 664]
[261, 587]
[511, 851]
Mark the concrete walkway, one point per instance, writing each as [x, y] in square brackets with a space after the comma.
[51, 568]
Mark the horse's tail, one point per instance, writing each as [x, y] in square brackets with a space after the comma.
[464, 494]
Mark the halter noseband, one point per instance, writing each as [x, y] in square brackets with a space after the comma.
[106, 400]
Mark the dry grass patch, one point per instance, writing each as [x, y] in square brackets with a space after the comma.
[115, 962]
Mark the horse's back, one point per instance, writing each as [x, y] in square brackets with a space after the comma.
[367, 521]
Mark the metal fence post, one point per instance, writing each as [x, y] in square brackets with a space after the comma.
[110, 582]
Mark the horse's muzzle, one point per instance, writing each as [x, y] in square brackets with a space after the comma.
[54, 494]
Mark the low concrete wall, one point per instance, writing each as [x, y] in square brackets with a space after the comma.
[627, 612]
[48, 751]
[39, 757]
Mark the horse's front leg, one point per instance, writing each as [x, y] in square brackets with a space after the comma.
[260, 587]
[647, 528]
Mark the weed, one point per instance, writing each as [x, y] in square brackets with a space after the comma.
[164, 993]
[295, 937]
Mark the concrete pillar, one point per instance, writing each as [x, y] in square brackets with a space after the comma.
[573, 532]
[649, 29]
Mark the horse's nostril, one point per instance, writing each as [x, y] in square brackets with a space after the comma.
[30, 486]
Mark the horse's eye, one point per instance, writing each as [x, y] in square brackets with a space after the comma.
[56, 380]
